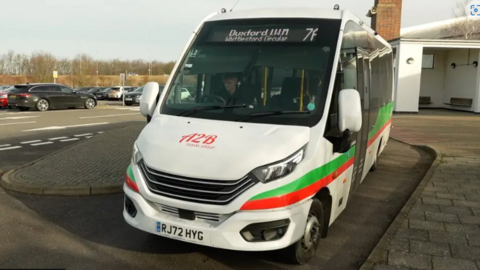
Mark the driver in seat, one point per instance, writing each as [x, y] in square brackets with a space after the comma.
[234, 94]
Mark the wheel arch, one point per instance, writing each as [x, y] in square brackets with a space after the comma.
[326, 199]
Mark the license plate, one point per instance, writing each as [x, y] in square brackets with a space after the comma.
[180, 232]
[12, 96]
[128, 99]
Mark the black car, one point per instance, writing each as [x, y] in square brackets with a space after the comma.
[95, 90]
[103, 94]
[135, 96]
[44, 96]
[83, 89]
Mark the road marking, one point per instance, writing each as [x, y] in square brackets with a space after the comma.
[17, 123]
[100, 132]
[111, 115]
[65, 127]
[14, 113]
[10, 148]
[83, 135]
[42, 143]
[28, 142]
[88, 137]
[18, 117]
[57, 138]
[69, 140]
[5, 145]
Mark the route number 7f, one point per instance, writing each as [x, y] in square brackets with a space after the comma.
[312, 33]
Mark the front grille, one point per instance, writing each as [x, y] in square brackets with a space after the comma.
[218, 192]
[208, 217]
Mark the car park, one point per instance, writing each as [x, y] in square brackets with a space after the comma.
[134, 97]
[4, 97]
[44, 96]
[116, 92]
[103, 94]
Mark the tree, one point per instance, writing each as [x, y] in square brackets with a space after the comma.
[84, 69]
[462, 27]
[42, 65]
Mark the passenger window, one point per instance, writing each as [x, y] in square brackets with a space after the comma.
[41, 89]
[332, 120]
[66, 89]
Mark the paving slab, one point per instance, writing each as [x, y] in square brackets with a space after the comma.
[91, 167]
[439, 226]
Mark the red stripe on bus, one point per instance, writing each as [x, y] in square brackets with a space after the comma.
[374, 137]
[296, 196]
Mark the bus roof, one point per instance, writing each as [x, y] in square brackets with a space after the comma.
[279, 13]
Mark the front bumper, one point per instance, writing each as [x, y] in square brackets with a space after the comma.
[131, 100]
[224, 233]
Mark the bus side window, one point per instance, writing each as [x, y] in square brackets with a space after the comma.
[332, 120]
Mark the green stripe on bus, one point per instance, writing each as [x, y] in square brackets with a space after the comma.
[130, 173]
[384, 114]
[321, 172]
[309, 178]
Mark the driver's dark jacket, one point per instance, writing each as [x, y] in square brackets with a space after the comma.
[238, 98]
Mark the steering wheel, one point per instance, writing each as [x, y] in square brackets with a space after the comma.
[216, 98]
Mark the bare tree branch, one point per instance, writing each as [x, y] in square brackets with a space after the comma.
[463, 27]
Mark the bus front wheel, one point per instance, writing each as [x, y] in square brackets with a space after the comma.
[304, 250]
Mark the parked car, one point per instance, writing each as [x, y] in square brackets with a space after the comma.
[45, 96]
[103, 94]
[4, 87]
[95, 90]
[4, 96]
[83, 89]
[116, 92]
[133, 98]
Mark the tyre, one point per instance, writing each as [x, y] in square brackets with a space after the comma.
[89, 104]
[305, 249]
[42, 105]
[375, 161]
[23, 109]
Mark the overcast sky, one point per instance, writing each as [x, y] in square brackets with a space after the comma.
[149, 29]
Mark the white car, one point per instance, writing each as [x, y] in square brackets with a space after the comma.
[185, 93]
[116, 92]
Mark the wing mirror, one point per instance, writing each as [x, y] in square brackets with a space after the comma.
[349, 119]
[349, 110]
[148, 100]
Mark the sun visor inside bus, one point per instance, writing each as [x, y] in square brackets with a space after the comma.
[308, 58]
[211, 61]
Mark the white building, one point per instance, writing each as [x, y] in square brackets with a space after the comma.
[436, 67]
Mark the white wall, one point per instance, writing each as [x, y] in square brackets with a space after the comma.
[408, 78]
[461, 81]
[432, 80]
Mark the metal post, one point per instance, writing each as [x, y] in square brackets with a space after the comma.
[123, 91]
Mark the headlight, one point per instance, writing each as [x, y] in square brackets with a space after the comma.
[279, 169]
[136, 155]
[3, 96]
[139, 97]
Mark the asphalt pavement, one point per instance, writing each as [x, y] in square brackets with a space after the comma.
[90, 233]
[27, 136]
[14, 123]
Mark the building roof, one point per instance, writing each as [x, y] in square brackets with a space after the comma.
[456, 28]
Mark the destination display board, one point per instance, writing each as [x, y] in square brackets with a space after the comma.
[263, 33]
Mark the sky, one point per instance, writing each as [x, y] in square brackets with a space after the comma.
[149, 29]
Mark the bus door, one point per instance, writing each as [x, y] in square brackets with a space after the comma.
[363, 84]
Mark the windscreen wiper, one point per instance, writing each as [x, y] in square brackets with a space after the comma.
[267, 113]
[206, 108]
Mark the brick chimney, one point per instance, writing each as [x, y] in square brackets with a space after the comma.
[388, 18]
